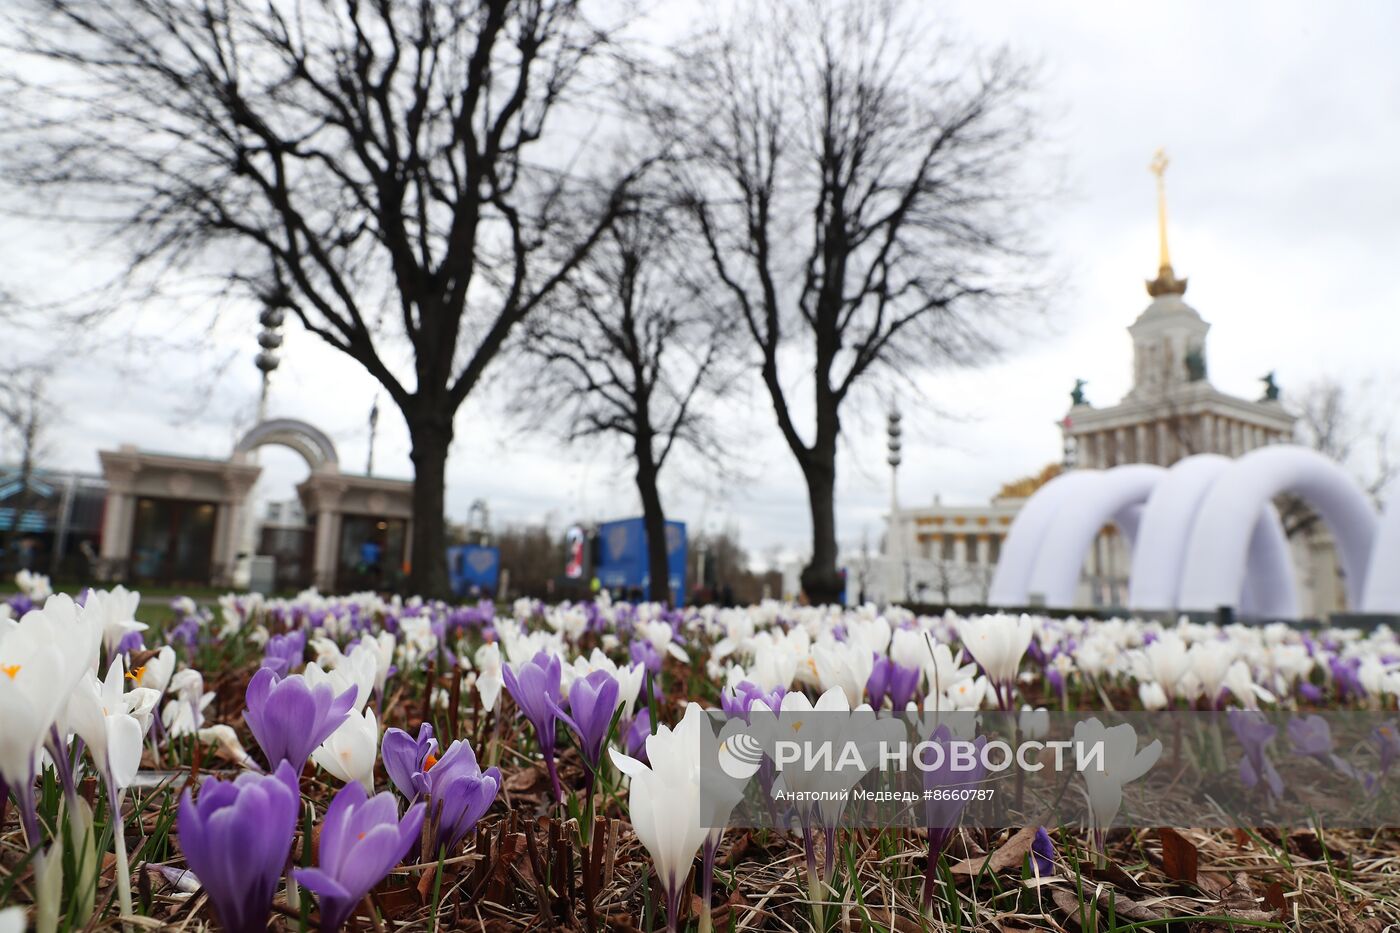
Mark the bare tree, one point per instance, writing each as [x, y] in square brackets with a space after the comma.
[361, 163]
[854, 185]
[633, 355]
[25, 412]
[1350, 428]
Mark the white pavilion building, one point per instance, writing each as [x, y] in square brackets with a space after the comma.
[946, 554]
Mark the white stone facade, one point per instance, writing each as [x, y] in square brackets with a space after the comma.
[946, 554]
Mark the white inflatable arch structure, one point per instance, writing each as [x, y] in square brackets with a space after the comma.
[1160, 547]
[1202, 535]
[1011, 581]
[1216, 554]
[1382, 592]
[1116, 496]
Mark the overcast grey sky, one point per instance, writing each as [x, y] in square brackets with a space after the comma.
[1282, 121]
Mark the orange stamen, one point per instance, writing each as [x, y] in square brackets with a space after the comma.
[429, 762]
[10, 670]
[135, 674]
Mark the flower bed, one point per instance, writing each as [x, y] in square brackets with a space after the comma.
[408, 764]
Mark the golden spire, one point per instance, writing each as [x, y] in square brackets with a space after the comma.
[1166, 282]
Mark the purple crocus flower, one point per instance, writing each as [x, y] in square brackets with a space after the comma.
[236, 838]
[407, 760]
[1346, 677]
[362, 839]
[942, 816]
[535, 689]
[592, 703]
[1310, 692]
[185, 632]
[891, 679]
[285, 652]
[459, 793]
[737, 701]
[1254, 733]
[289, 718]
[636, 736]
[131, 642]
[644, 653]
[1042, 854]
[1311, 736]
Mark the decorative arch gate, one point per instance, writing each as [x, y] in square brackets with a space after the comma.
[140, 480]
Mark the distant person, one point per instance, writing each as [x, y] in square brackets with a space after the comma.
[370, 555]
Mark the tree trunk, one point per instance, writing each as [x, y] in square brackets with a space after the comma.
[820, 579]
[431, 438]
[654, 520]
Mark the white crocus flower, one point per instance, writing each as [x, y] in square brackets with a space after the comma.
[12, 920]
[845, 666]
[488, 674]
[998, 643]
[184, 713]
[662, 638]
[328, 653]
[117, 610]
[36, 678]
[1152, 696]
[351, 751]
[941, 669]
[155, 674]
[356, 670]
[774, 665]
[1240, 682]
[663, 800]
[1165, 661]
[227, 741]
[963, 695]
[102, 715]
[1034, 723]
[1121, 763]
[383, 644]
[34, 585]
[1210, 665]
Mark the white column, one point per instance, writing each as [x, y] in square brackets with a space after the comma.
[327, 536]
[116, 525]
[1161, 458]
[960, 548]
[1141, 431]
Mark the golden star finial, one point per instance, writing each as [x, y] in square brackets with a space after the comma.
[1166, 282]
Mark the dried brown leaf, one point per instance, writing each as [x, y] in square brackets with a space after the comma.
[1179, 856]
[1011, 854]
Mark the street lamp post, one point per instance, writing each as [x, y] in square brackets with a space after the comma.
[270, 339]
[271, 318]
[896, 549]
